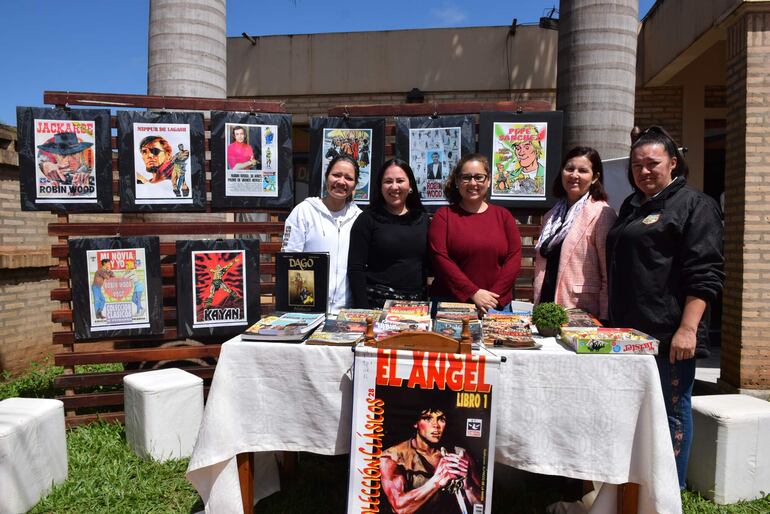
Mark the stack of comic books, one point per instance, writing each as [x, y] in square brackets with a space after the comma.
[449, 320]
[346, 330]
[609, 340]
[511, 330]
[581, 318]
[292, 327]
[400, 315]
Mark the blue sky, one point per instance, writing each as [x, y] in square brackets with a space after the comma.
[101, 45]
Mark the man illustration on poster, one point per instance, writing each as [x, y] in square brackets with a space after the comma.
[162, 164]
[434, 168]
[102, 274]
[421, 476]
[62, 160]
[218, 273]
[529, 151]
[240, 155]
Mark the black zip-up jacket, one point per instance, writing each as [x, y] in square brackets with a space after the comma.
[658, 253]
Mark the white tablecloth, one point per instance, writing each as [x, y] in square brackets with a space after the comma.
[597, 417]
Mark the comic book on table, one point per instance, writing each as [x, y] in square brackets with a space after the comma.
[581, 318]
[449, 320]
[400, 315]
[287, 327]
[301, 281]
[510, 330]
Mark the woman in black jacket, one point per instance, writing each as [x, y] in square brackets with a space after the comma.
[389, 242]
[664, 265]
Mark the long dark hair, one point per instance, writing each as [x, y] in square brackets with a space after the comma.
[657, 135]
[451, 191]
[596, 190]
[347, 158]
[413, 202]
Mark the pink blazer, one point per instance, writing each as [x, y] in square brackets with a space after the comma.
[582, 279]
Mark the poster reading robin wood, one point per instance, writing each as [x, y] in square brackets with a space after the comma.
[423, 433]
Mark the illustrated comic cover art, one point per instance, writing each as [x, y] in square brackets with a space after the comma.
[217, 286]
[519, 154]
[219, 279]
[162, 163]
[302, 282]
[423, 432]
[251, 160]
[65, 161]
[433, 153]
[118, 293]
[353, 142]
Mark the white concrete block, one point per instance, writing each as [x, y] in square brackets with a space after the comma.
[33, 451]
[730, 456]
[164, 409]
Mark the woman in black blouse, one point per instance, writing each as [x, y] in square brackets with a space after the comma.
[389, 242]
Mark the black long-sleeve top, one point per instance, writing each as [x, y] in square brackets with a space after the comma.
[658, 253]
[388, 250]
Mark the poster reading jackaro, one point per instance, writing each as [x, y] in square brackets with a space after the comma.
[423, 433]
[65, 161]
[118, 297]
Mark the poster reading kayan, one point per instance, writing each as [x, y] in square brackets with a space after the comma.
[218, 288]
[423, 433]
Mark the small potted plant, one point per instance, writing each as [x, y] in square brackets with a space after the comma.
[548, 317]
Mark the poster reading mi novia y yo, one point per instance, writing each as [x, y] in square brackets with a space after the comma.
[423, 433]
[118, 290]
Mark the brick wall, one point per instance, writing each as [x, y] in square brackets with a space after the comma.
[745, 325]
[25, 305]
[660, 106]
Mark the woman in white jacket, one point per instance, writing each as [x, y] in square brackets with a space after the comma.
[323, 225]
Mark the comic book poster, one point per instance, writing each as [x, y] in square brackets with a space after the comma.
[251, 160]
[524, 152]
[423, 422]
[65, 159]
[355, 143]
[116, 287]
[217, 286]
[432, 147]
[161, 161]
[360, 138]
[302, 281]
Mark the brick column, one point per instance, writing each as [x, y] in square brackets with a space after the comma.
[746, 323]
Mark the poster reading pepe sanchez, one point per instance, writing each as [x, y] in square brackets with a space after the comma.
[118, 285]
[162, 163]
[519, 156]
[251, 160]
[65, 161]
[423, 432]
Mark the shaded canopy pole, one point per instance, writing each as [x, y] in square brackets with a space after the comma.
[596, 73]
[187, 48]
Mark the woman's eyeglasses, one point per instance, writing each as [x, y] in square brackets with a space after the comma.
[466, 179]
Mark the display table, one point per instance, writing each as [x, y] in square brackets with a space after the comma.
[597, 417]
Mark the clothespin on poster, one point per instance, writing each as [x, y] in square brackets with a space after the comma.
[253, 108]
[434, 116]
[346, 113]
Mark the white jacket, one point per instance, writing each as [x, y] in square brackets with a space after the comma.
[311, 228]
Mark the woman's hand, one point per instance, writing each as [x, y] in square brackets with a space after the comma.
[485, 300]
[682, 344]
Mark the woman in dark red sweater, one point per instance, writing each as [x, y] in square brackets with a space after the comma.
[475, 246]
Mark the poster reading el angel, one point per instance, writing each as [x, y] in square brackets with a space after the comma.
[524, 152]
[218, 282]
[118, 293]
[423, 433]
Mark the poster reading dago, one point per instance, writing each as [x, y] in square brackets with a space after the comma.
[162, 163]
[519, 156]
[433, 153]
[251, 160]
[65, 161]
[355, 143]
[218, 284]
[118, 292]
[423, 432]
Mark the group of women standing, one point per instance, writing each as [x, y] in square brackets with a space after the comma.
[655, 266]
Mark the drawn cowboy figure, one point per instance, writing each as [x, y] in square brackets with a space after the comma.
[63, 160]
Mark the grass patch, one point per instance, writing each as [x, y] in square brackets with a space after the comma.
[37, 380]
[106, 476]
[693, 503]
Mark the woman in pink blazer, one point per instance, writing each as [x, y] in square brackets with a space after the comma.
[570, 265]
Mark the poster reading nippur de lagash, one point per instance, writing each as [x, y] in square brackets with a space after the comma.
[423, 432]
